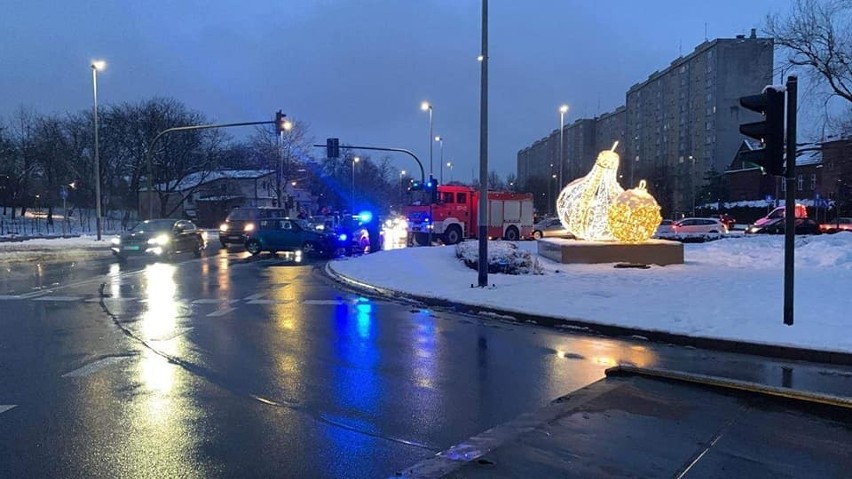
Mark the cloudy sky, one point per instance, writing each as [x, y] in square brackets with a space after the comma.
[358, 69]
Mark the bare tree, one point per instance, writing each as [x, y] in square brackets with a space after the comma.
[286, 154]
[816, 35]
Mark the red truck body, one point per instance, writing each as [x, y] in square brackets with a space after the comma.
[455, 216]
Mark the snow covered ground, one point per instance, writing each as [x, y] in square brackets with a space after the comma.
[730, 289]
[44, 247]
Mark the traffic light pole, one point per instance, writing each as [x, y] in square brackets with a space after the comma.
[790, 206]
[397, 150]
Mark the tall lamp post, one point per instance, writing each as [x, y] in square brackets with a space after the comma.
[401, 176]
[692, 182]
[426, 106]
[562, 111]
[440, 140]
[354, 161]
[450, 166]
[96, 66]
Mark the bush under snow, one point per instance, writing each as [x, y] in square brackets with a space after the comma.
[503, 258]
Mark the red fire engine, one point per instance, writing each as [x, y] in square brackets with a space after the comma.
[455, 216]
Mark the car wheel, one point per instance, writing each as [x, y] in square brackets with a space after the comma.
[253, 247]
[453, 235]
[308, 248]
[512, 234]
[537, 234]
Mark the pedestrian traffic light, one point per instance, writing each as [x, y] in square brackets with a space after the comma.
[332, 148]
[282, 124]
[770, 131]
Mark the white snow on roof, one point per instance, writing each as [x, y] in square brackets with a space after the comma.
[199, 178]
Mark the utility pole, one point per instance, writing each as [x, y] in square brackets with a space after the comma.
[483, 153]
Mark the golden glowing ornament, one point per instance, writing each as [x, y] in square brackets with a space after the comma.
[583, 205]
[634, 216]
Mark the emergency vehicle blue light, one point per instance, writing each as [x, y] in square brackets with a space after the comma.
[429, 184]
[365, 216]
[342, 237]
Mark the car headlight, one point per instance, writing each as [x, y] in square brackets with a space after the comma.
[248, 227]
[161, 240]
[223, 227]
[115, 241]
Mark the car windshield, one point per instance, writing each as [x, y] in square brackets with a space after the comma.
[150, 226]
[240, 214]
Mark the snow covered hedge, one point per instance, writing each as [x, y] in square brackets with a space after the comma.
[503, 257]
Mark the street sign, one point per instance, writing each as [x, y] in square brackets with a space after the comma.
[63, 192]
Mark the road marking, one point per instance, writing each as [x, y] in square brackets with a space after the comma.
[172, 335]
[5, 297]
[268, 301]
[6, 407]
[212, 301]
[254, 297]
[221, 312]
[94, 367]
[324, 302]
[110, 298]
[58, 298]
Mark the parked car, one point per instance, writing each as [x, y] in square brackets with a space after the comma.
[550, 227]
[161, 238]
[243, 220]
[286, 234]
[804, 226]
[689, 226]
[666, 228]
[836, 226]
[801, 212]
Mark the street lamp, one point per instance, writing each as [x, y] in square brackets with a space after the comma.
[692, 182]
[440, 140]
[562, 111]
[354, 160]
[450, 166]
[550, 192]
[426, 106]
[401, 176]
[97, 65]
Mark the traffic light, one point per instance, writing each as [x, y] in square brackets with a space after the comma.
[770, 131]
[282, 124]
[432, 186]
[332, 148]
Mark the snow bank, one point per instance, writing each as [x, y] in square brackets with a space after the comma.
[503, 257]
[729, 289]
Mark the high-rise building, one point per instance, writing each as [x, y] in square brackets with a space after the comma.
[676, 126]
[683, 122]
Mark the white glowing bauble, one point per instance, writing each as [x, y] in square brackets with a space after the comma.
[584, 204]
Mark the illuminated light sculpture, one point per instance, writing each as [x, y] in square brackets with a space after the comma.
[634, 216]
[583, 205]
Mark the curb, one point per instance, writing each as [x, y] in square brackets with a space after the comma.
[621, 332]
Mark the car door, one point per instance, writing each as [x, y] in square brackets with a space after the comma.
[553, 228]
[179, 237]
[289, 235]
[686, 226]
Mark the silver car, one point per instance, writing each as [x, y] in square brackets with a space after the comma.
[551, 227]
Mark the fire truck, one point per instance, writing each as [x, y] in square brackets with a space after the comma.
[452, 215]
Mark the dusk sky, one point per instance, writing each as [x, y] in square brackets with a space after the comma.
[358, 70]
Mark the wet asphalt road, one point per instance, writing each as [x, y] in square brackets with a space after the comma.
[228, 366]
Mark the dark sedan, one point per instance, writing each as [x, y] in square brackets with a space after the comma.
[159, 238]
[804, 226]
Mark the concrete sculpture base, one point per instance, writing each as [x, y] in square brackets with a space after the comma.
[659, 252]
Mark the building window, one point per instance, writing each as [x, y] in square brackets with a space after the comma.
[801, 182]
[813, 181]
[783, 184]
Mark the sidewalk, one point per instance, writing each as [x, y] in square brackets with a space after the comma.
[638, 423]
[51, 248]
